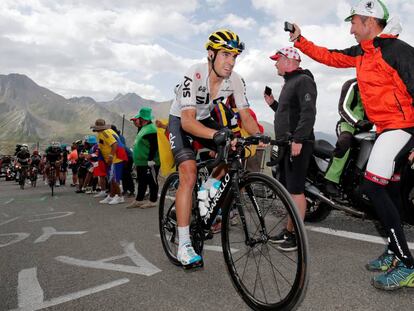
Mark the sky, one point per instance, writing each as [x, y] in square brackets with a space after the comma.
[100, 48]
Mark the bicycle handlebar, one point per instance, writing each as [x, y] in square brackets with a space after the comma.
[241, 143]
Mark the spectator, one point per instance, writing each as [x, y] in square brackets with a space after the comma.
[114, 156]
[73, 164]
[384, 67]
[295, 114]
[146, 159]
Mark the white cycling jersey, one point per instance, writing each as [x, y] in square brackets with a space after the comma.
[194, 93]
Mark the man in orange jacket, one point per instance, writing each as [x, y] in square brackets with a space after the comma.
[384, 66]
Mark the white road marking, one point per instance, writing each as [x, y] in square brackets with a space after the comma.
[20, 236]
[143, 266]
[352, 235]
[49, 231]
[8, 221]
[5, 215]
[58, 215]
[8, 201]
[73, 296]
[43, 198]
[214, 248]
[29, 291]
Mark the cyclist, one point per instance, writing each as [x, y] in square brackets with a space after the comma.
[64, 165]
[22, 159]
[34, 161]
[203, 85]
[53, 157]
[384, 69]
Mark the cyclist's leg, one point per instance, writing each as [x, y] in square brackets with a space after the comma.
[184, 157]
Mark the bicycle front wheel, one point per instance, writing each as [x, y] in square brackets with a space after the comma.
[265, 276]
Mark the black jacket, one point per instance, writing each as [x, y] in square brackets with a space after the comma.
[296, 110]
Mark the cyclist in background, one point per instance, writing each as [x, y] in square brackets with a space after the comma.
[202, 86]
[53, 157]
[35, 161]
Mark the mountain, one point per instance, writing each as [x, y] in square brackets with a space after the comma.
[129, 105]
[33, 114]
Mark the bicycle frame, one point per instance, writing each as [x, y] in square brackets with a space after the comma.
[229, 190]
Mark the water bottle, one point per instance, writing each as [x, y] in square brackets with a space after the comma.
[202, 201]
[214, 188]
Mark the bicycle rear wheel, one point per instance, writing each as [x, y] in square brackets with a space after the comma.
[264, 276]
[167, 220]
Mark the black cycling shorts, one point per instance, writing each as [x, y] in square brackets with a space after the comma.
[293, 170]
[180, 140]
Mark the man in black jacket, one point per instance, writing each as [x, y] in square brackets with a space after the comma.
[295, 114]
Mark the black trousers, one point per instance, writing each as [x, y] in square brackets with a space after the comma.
[145, 178]
[127, 181]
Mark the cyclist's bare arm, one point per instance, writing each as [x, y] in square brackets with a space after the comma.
[194, 127]
[249, 124]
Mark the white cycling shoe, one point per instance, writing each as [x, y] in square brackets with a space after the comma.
[188, 257]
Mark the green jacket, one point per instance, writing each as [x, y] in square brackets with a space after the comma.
[142, 146]
[350, 104]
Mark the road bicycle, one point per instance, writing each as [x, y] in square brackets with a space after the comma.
[23, 175]
[254, 208]
[52, 176]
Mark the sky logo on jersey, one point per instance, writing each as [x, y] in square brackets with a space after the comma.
[186, 88]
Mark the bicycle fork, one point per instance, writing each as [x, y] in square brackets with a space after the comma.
[264, 237]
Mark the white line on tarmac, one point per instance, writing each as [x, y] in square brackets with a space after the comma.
[7, 221]
[29, 291]
[5, 215]
[43, 198]
[72, 296]
[49, 231]
[8, 201]
[352, 235]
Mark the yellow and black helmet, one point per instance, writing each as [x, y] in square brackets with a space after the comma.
[224, 39]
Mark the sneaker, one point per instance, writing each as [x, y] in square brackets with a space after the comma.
[289, 244]
[398, 276]
[106, 200]
[100, 194]
[88, 190]
[188, 257]
[80, 191]
[136, 204]
[280, 237]
[73, 185]
[116, 200]
[382, 263]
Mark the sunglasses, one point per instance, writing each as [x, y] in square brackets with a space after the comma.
[233, 44]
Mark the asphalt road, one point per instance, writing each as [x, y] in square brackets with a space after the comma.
[69, 252]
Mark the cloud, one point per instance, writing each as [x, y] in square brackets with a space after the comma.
[237, 22]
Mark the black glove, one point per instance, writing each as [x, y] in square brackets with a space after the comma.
[221, 136]
[364, 125]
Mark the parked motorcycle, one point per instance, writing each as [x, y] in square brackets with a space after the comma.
[351, 199]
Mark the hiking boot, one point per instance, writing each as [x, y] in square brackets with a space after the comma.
[382, 263]
[331, 189]
[234, 217]
[188, 257]
[289, 244]
[136, 204]
[149, 204]
[398, 276]
[279, 238]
